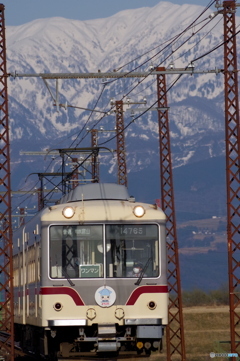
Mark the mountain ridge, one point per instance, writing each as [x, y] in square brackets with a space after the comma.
[61, 45]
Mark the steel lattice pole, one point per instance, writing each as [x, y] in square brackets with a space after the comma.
[232, 169]
[95, 164]
[121, 155]
[175, 332]
[6, 263]
[40, 194]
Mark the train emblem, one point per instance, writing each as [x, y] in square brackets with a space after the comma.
[105, 296]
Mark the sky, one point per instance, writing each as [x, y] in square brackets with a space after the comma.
[18, 12]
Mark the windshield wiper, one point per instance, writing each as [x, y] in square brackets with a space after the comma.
[142, 273]
[64, 271]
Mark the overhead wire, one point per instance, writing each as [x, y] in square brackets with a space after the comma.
[105, 112]
[181, 55]
[216, 47]
[149, 108]
[79, 133]
[140, 65]
[156, 47]
[170, 55]
[139, 82]
[173, 40]
[85, 124]
[148, 60]
[31, 189]
[144, 112]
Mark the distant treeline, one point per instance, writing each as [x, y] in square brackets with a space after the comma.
[200, 298]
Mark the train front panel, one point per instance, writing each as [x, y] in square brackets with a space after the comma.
[104, 276]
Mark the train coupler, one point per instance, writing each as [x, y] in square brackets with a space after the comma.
[107, 341]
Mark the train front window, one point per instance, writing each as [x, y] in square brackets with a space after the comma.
[76, 251]
[131, 248]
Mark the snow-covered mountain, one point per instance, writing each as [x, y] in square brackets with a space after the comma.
[133, 39]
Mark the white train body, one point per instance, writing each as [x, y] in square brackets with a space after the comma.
[75, 289]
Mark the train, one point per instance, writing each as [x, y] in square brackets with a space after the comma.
[90, 275]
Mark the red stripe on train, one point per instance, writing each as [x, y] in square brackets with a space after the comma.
[79, 302]
[63, 291]
[145, 289]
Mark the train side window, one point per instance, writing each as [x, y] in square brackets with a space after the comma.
[15, 270]
[131, 244]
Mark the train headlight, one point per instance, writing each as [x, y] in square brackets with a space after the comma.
[138, 211]
[68, 212]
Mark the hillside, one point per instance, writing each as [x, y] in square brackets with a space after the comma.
[130, 40]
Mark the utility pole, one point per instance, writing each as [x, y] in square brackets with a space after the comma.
[175, 332]
[232, 137]
[6, 262]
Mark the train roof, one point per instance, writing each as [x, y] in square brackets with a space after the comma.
[96, 191]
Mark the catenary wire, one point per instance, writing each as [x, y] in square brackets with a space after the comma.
[151, 71]
[125, 96]
[173, 40]
[198, 42]
[79, 133]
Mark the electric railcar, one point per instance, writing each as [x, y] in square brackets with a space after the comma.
[75, 290]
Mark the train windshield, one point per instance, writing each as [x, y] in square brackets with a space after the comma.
[79, 251]
[76, 251]
[132, 250]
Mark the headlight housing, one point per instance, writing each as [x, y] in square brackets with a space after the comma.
[138, 211]
[68, 212]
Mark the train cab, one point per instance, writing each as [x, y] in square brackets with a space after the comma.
[103, 284]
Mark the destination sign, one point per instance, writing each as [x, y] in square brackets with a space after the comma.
[76, 231]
